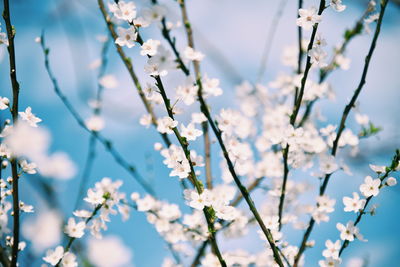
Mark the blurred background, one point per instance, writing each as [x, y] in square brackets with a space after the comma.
[233, 34]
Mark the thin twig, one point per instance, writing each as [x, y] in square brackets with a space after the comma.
[218, 134]
[14, 113]
[196, 66]
[298, 100]
[346, 112]
[128, 64]
[393, 165]
[270, 39]
[106, 143]
[91, 153]
[348, 35]
[184, 144]
[300, 46]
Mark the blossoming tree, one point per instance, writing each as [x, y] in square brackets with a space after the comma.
[274, 141]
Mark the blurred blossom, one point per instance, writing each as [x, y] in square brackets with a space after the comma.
[109, 252]
[43, 230]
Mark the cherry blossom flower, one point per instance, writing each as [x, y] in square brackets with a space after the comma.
[4, 103]
[180, 169]
[145, 120]
[353, 204]
[25, 208]
[362, 119]
[325, 204]
[370, 187]
[74, 229]
[330, 262]
[190, 132]
[332, 249]
[95, 123]
[29, 168]
[29, 117]
[369, 20]
[318, 57]
[342, 61]
[108, 81]
[58, 166]
[146, 203]
[378, 169]
[198, 117]
[349, 231]
[211, 87]
[94, 197]
[109, 251]
[82, 213]
[187, 92]
[3, 38]
[308, 17]
[196, 200]
[154, 13]
[166, 125]
[126, 37]
[69, 260]
[149, 47]
[44, 230]
[123, 10]
[160, 63]
[227, 213]
[190, 54]
[391, 181]
[337, 5]
[327, 164]
[54, 256]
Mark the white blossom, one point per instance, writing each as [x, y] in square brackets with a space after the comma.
[29, 168]
[108, 81]
[308, 17]
[332, 249]
[190, 54]
[166, 125]
[109, 251]
[95, 123]
[391, 181]
[29, 117]
[123, 10]
[74, 229]
[69, 260]
[4, 103]
[126, 37]
[337, 5]
[353, 204]
[149, 47]
[196, 200]
[349, 231]
[190, 132]
[370, 187]
[54, 256]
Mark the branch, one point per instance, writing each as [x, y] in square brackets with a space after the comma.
[91, 154]
[196, 65]
[218, 134]
[199, 187]
[348, 35]
[342, 123]
[128, 64]
[299, 42]
[297, 100]
[393, 166]
[14, 113]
